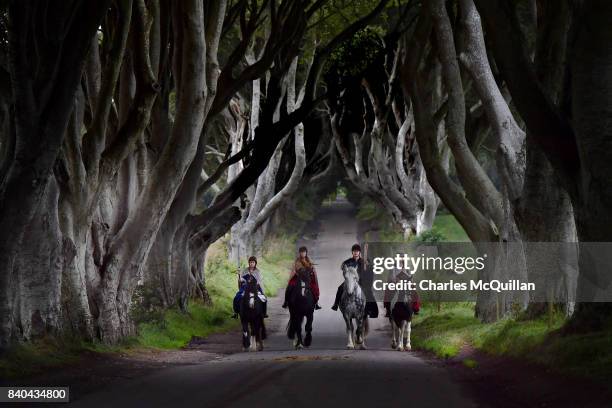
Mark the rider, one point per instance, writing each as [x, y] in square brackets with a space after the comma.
[365, 281]
[251, 272]
[415, 303]
[303, 261]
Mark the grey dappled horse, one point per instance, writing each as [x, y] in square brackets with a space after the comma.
[352, 306]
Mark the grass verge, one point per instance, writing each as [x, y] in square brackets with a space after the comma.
[446, 332]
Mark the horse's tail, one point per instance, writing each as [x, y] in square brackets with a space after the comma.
[366, 325]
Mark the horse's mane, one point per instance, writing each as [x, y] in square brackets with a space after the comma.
[305, 271]
[348, 269]
[251, 286]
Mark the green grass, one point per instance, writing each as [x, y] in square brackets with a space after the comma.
[470, 363]
[449, 227]
[447, 332]
[30, 358]
[446, 228]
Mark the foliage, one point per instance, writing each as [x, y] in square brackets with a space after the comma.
[446, 228]
[432, 236]
[355, 55]
[335, 15]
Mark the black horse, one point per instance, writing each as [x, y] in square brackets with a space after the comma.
[301, 304]
[252, 318]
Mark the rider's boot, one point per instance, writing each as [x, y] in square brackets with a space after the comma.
[286, 302]
[387, 306]
[338, 297]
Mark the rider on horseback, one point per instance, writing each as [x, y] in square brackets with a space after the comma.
[415, 303]
[302, 262]
[365, 281]
[245, 276]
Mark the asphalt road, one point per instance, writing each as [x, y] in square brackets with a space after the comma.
[325, 375]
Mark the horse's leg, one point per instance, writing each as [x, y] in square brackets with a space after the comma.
[395, 331]
[298, 331]
[290, 330]
[245, 335]
[349, 332]
[254, 328]
[359, 331]
[364, 332]
[308, 328]
[402, 329]
[259, 334]
[408, 332]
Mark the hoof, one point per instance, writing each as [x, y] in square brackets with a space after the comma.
[299, 346]
[260, 347]
[393, 345]
[245, 349]
[400, 348]
[362, 347]
[408, 347]
[350, 347]
[308, 340]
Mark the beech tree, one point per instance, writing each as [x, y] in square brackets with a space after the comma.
[42, 87]
[573, 134]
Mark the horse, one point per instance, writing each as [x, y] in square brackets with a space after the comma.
[353, 306]
[301, 305]
[252, 318]
[401, 321]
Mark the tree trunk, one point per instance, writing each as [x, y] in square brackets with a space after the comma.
[40, 119]
[128, 250]
[591, 88]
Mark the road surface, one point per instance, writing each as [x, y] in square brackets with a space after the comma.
[325, 375]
